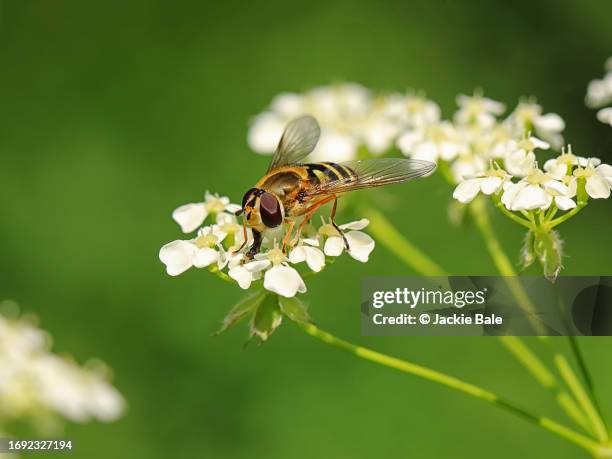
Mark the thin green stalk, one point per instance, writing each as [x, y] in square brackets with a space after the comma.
[566, 216]
[551, 212]
[452, 383]
[582, 366]
[506, 269]
[586, 374]
[521, 221]
[546, 378]
[398, 244]
[503, 264]
[570, 378]
[385, 232]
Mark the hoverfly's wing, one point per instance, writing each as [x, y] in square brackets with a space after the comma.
[299, 139]
[370, 173]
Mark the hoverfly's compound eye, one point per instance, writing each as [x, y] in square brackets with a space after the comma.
[247, 197]
[270, 210]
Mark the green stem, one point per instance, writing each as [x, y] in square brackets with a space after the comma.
[385, 232]
[586, 374]
[521, 221]
[570, 378]
[505, 268]
[582, 366]
[551, 212]
[452, 383]
[397, 243]
[503, 264]
[545, 377]
[566, 216]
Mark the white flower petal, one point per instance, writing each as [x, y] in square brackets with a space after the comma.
[334, 246]
[297, 255]
[490, 185]
[190, 216]
[597, 187]
[356, 225]
[537, 143]
[550, 122]
[511, 190]
[426, 151]
[313, 241]
[204, 257]
[564, 203]
[232, 208]
[315, 259]
[288, 104]
[265, 132]
[360, 245]
[519, 163]
[604, 170]
[408, 140]
[605, 115]
[257, 265]
[334, 146]
[556, 169]
[530, 197]
[467, 190]
[241, 275]
[177, 256]
[284, 281]
[556, 187]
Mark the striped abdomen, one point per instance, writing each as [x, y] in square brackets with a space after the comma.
[319, 173]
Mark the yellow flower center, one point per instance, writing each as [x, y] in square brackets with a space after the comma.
[229, 228]
[526, 145]
[215, 205]
[276, 256]
[566, 158]
[537, 177]
[206, 240]
[492, 172]
[527, 112]
[415, 105]
[584, 172]
[328, 230]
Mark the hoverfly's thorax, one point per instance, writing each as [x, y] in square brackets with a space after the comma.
[283, 181]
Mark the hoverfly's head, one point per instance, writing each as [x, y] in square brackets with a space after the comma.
[261, 206]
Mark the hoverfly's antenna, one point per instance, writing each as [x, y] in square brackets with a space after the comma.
[239, 212]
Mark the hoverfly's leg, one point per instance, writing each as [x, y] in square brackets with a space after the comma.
[309, 212]
[288, 234]
[254, 250]
[244, 232]
[331, 218]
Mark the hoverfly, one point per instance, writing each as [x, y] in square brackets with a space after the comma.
[291, 190]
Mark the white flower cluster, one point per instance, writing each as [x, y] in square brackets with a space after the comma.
[36, 382]
[215, 247]
[599, 94]
[350, 117]
[539, 189]
[476, 136]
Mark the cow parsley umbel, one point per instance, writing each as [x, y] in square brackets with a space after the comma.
[275, 277]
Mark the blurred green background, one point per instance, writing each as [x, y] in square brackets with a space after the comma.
[114, 113]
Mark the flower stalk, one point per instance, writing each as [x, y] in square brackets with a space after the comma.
[452, 383]
[391, 238]
[503, 264]
[570, 378]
